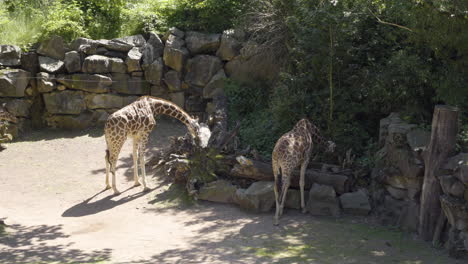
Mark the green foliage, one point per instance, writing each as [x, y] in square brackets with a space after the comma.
[204, 15]
[65, 20]
[203, 165]
[142, 16]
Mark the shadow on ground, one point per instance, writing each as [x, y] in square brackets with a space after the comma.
[89, 208]
[22, 244]
[299, 238]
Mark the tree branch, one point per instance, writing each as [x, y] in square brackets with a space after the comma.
[388, 23]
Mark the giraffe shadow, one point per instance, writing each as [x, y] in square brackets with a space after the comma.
[89, 208]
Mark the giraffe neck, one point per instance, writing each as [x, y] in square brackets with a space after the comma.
[162, 107]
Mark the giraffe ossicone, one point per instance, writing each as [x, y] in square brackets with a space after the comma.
[293, 149]
[137, 120]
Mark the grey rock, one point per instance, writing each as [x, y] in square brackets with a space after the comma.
[129, 99]
[293, 199]
[96, 64]
[456, 211]
[77, 43]
[124, 84]
[216, 85]
[45, 82]
[259, 197]
[159, 91]
[72, 61]
[157, 44]
[173, 31]
[409, 217]
[175, 58]
[172, 80]
[202, 43]
[65, 102]
[261, 67]
[175, 42]
[13, 82]
[53, 47]
[82, 121]
[135, 40]
[355, 203]
[51, 65]
[104, 101]
[116, 45]
[452, 186]
[201, 68]
[94, 83]
[230, 45]
[19, 107]
[10, 55]
[194, 104]
[117, 65]
[418, 138]
[30, 62]
[218, 191]
[133, 60]
[397, 193]
[178, 98]
[115, 54]
[154, 71]
[322, 200]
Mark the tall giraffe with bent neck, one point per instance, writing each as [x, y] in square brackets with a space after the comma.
[291, 150]
[137, 120]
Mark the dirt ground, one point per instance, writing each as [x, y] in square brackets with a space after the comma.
[52, 200]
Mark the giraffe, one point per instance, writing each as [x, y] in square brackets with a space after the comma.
[137, 120]
[291, 150]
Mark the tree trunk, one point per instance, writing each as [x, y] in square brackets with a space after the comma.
[442, 143]
[262, 171]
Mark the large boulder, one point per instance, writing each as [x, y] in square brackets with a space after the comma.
[13, 82]
[175, 32]
[135, 40]
[218, 191]
[45, 82]
[418, 138]
[323, 201]
[65, 102]
[154, 71]
[94, 83]
[201, 68]
[30, 62]
[293, 199]
[356, 203]
[10, 55]
[452, 186]
[458, 166]
[81, 44]
[259, 197]
[172, 80]
[104, 101]
[72, 61]
[260, 67]
[456, 211]
[178, 98]
[124, 84]
[157, 45]
[96, 64]
[51, 65]
[194, 104]
[19, 107]
[116, 44]
[202, 43]
[82, 121]
[175, 54]
[53, 47]
[133, 60]
[216, 85]
[231, 44]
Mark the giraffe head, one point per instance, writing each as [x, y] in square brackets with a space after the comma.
[200, 132]
[5, 115]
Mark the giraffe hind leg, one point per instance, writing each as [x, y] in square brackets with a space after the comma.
[141, 154]
[135, 161]
[107, 170]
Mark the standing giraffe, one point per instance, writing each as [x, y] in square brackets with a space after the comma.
[291, 150]
[137, 120]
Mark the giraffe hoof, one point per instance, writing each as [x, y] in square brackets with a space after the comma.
[136, 184]
[116, 192]
[276, 223]
[146, 189]
[304, 211]
[107, 187]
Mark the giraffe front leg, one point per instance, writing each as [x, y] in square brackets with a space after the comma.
[301, 185]
[141, 151]
[135, 162]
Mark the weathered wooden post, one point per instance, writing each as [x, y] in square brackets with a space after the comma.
[441, 145]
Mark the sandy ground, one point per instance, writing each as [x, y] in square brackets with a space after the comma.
[52, 200]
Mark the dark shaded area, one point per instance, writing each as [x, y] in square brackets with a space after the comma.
[22, 244]
[50, 133]
[88, 208]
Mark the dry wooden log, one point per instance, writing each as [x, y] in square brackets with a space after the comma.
[442, 143]
[262, 171]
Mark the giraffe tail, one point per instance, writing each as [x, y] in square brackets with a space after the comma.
[107, 157]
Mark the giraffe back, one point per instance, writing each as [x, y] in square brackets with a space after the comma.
[131, 119]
